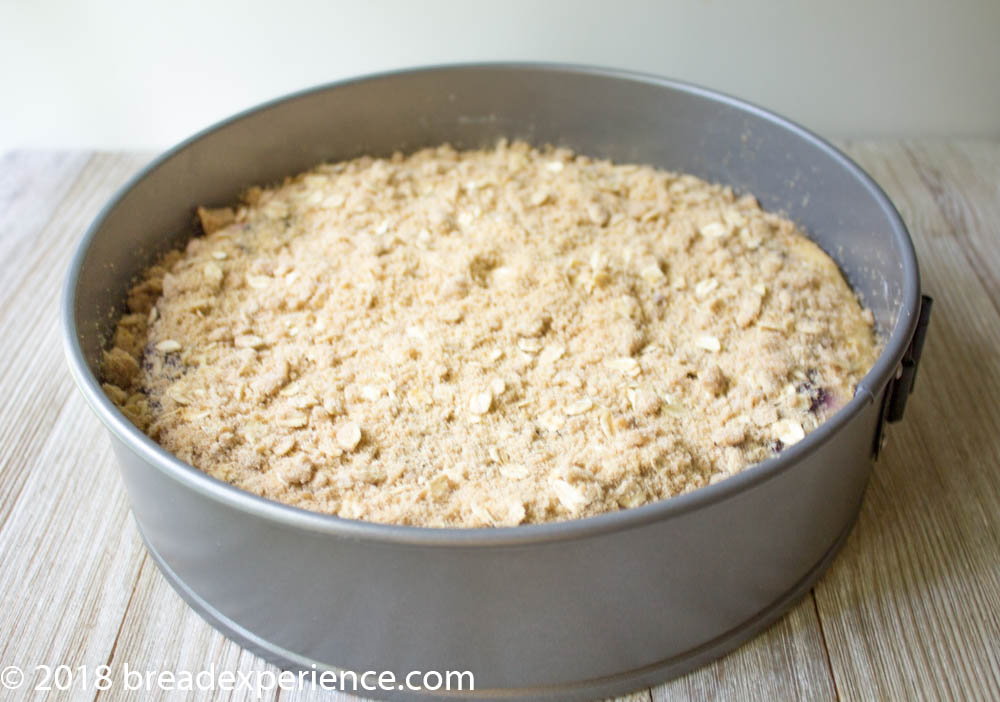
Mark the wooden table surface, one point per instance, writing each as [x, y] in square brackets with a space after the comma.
[909, 610]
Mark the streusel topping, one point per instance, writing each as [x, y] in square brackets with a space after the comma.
[486, 338]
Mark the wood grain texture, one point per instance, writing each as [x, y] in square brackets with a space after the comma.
[68, 567]
[786, 662]
[908, 611]
[910, 608]
[32, 183]
[160, 632]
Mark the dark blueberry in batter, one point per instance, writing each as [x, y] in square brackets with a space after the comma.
[820, 399]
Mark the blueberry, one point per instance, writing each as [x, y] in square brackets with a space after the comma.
[819, 400]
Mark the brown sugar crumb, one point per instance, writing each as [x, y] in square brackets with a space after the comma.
[486, 338]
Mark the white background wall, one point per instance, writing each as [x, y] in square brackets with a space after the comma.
[120, 73]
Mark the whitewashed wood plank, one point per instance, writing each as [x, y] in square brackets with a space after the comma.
[638, 696]
[32, 183]
[963, 178]
[910, 609]
[69, 566]
[33, 379]
[161, 633]
[786, 662]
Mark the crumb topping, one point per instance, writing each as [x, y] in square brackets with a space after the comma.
[486, 338]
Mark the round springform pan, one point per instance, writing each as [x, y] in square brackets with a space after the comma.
[570, 610]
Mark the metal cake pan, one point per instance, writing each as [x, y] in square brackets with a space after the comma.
[570, 610]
